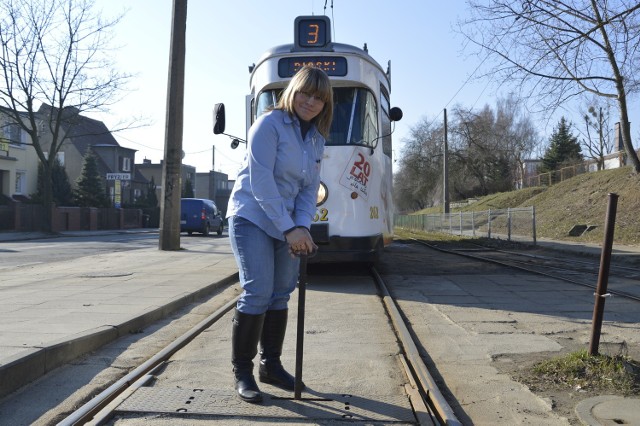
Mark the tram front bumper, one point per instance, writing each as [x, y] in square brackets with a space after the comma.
[338, 249]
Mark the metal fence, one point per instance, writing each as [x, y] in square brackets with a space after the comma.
[517, 224]
[556, 176]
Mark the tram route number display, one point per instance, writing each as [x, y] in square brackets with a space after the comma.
[357, 174]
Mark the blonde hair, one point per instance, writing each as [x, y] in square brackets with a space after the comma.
[314, 81]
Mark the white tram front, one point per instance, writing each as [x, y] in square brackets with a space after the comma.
[354, 215]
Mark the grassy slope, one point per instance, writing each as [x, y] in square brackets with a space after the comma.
[580, 200]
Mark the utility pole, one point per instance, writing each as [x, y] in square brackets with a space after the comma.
[172, 165]
[445, 167]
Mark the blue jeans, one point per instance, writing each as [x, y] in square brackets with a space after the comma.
[268, 274]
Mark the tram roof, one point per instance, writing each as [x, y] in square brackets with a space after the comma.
[331, 48]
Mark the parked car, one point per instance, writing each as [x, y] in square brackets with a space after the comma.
[200, 215]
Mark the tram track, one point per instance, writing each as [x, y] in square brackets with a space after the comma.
[417, 369]
[101, 407]
[573, 271]
[428, 404]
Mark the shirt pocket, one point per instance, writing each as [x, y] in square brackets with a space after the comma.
[308, 167]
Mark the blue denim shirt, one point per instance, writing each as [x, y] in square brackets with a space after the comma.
[278, 181]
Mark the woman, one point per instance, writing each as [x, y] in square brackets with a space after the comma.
[270, 212]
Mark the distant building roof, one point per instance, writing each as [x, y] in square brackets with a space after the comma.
[81, 131]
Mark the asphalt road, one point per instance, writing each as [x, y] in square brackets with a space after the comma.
[15, 254]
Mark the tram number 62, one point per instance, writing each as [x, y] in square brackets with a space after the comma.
[321, 215]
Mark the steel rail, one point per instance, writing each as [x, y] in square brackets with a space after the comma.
[521, 268]
[92, 408]
[429, 387]
[490, 249]
[619, 269]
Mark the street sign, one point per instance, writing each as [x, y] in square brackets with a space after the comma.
[118, 176]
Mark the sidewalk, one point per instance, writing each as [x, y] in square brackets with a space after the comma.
[53, 313]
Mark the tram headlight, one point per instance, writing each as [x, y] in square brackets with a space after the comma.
[323, 194]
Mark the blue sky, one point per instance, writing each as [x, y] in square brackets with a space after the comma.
[428, 67]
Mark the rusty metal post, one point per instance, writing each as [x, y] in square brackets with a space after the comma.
[533, 221]
[603, 277]
[302, 291]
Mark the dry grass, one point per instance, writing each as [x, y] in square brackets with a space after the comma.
[581, 200]
[579, 370]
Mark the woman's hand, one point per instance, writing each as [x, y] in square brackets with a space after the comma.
[300, 242]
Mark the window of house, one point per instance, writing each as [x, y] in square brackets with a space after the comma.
[13, 132]
[125, 164]
[59, 155]
[21, 178]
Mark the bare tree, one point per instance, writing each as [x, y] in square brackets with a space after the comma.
[418, 181]
[597, 139]
[561, 49]
[473, 152]
[489, 147]
[516, 131]
[55, 66]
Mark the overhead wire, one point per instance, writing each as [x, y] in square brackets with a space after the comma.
[186, 153]
[471, 76]
[324, 11]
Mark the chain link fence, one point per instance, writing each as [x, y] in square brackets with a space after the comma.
[517, 224]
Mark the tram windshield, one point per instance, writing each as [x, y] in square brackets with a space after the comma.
[354, 115]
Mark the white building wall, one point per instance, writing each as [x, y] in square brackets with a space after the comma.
[20, 165]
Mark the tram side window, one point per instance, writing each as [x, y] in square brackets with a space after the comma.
[266, 101]
[354, 117]
[386, 123]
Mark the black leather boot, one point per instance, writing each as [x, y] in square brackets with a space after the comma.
[245, 334]
[271, 341]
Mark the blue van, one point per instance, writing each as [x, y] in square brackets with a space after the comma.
[200, 215]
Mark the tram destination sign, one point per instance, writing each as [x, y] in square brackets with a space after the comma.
[332, 65]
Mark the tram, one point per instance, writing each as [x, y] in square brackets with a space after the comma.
[354, 210]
